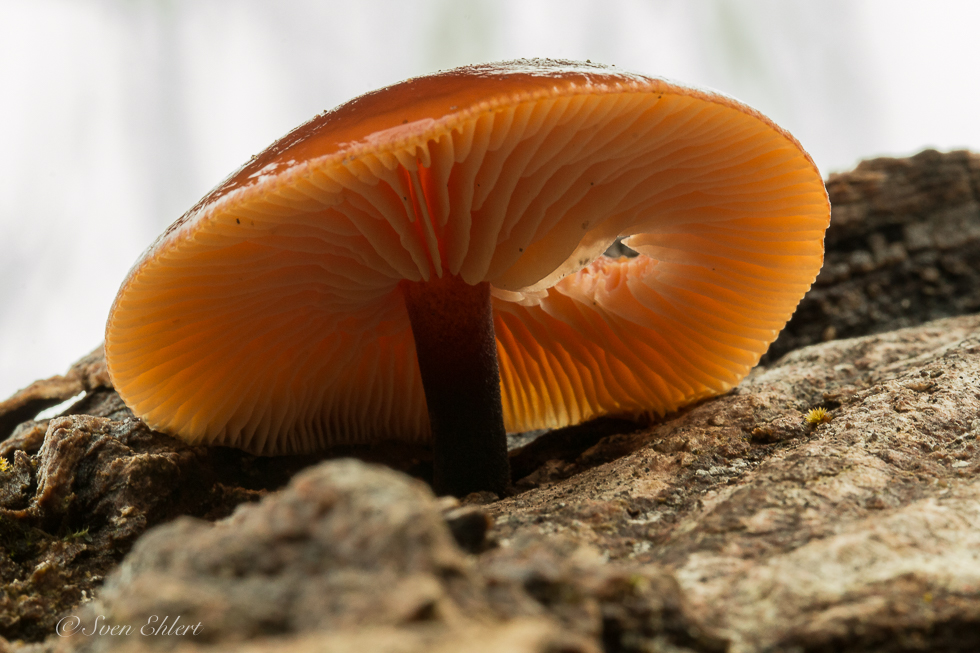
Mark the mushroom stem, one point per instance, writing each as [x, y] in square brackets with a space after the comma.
[452, 322]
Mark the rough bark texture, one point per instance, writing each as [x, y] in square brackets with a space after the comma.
[350, 548]
[734, 525]
[857, 534]
[903, 248]
[86, 375]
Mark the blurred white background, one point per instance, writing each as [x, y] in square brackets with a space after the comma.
[118, 115]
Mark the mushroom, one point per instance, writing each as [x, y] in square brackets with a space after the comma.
[425, 263]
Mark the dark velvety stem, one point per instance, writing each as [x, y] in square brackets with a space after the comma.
[452, 322]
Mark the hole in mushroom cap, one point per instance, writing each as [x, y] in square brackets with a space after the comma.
[619, 248]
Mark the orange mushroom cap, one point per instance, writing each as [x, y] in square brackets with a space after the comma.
[269, 317]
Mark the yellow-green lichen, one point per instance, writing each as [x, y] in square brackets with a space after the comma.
[817, 416]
